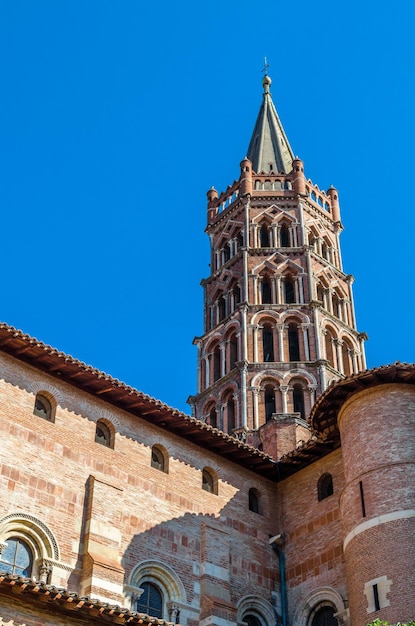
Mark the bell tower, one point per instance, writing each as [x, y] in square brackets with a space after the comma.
[279, 321]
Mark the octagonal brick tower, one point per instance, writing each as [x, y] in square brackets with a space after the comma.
[279, 321]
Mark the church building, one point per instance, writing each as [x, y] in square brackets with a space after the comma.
[286, 499]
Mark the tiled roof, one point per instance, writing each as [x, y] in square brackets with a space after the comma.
[60, 600]
[105, 387]
[323, 417]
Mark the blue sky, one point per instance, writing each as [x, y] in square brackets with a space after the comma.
[115, 119]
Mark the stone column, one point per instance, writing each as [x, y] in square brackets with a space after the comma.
[296, 290]
[338, 344]
[222, 347]
[255, 279]
[44, 569]
[255, 395]
[284, 392]
[255, 342]
[304, 328]
[281, 328]
[355, 363]
[273, 290]
[274, 228]
[301, 289]
[278, 290]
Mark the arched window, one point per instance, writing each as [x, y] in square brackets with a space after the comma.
[103, 434]
[298, 400]
[252, 620]
[230, 406]
[323, 616]
[216, 363]
[208, 481]
[222, 308]
[325, 486]
[16, 558]
[151, 601]
[227, 252]
[213, 418]
[264, 236]
[254, 501]
[233, 351]
[43, 407]
[269, 399]
[284, 236]
[293, 343]
[266, 291]
[236, 295]
[289, 291]
[159, 459]
[329, 345]
[268, 343]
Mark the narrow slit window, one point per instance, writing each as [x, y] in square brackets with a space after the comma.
[376, 597]
[362, 499]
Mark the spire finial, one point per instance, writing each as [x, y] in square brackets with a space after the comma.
[266, 81]
[266, 66]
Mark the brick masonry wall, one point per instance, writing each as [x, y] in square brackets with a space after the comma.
[137, 513]
[313, 533]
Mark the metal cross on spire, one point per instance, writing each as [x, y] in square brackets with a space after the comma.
[266, 66]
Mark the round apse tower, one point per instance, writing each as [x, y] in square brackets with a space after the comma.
[374, 413]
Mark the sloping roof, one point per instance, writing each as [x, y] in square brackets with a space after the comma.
[91, 380]
[323, 417]
[58, 600]
[269, 148]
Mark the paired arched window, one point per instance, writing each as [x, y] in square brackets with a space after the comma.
[43, 407]
[103, 434]
[325, 486]
[209, 482]
[16, 557]
[159, 459]
[254, 501]
[151, 600]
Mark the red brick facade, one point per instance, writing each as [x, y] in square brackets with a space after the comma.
[288, 499]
